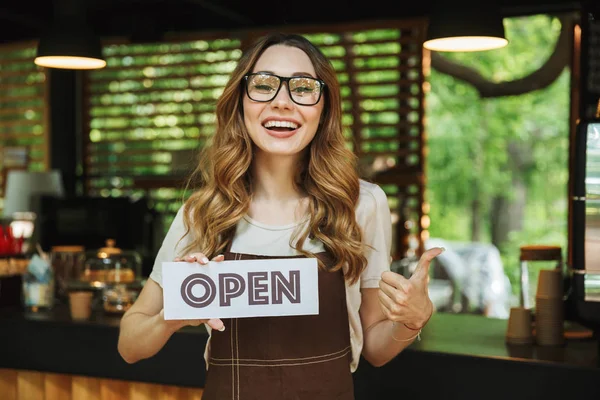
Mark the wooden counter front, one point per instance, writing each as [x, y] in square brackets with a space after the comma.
[461, 357]
[31, 385]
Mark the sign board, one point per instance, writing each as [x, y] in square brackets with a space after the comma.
[243, 288]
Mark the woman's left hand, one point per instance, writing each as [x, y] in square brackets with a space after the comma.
[407, 300]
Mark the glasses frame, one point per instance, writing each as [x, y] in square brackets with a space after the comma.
[285, 79]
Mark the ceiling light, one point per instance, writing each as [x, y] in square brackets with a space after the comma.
[453, 27]
[70, 43]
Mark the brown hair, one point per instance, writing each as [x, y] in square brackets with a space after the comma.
[328, 174]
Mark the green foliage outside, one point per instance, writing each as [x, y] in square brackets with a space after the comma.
[469, 138]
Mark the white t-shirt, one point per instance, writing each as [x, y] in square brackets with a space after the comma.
[252, 237]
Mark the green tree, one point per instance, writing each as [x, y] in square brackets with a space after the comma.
[497, 167]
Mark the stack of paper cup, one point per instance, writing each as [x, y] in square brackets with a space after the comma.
[519, 326]
[549, 311]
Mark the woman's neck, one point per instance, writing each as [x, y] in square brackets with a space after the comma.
[273, 178]
[275, 198]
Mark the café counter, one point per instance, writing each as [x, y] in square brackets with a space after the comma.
[47, 355]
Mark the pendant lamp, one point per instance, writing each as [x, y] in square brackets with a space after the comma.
[70, 43]
[458, 26]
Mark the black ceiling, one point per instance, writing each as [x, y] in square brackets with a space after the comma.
[26, 19]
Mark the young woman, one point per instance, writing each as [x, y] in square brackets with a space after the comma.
[278, 181]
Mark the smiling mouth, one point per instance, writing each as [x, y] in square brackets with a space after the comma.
[281, 126]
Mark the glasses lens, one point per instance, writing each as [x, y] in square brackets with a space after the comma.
[305, 90]
[262, 87]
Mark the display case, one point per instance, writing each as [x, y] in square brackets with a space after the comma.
[114, 274]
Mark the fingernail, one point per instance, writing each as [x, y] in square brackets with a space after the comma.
[222, 328]
[443, 249]
[204, 260]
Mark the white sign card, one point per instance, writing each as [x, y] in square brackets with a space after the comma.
[242, 288]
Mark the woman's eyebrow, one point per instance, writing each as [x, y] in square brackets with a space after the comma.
[302, 74]
[294, 74]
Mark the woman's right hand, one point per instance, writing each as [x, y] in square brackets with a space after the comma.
[214, 323]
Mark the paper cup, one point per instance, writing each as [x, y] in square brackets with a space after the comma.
[80, 304]
[519, 326]
[550, 284]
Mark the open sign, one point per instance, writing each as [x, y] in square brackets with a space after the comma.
[244, 288]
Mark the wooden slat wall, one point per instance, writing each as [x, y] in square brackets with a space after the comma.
[30, 385]
[153, 107]
[23, 107]
[381, 72]
[148, 113]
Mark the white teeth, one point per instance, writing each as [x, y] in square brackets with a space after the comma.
[280, 124]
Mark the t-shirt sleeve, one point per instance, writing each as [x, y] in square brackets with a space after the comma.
[373, 216]
[171, 247]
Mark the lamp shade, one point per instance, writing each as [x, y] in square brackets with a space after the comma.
[23, 186]
[469, 28]
[70, 44]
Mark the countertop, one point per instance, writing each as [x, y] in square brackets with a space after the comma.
[459, 356]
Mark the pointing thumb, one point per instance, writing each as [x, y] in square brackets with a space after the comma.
[422, 270]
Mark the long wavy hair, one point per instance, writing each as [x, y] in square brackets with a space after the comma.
[328, 174]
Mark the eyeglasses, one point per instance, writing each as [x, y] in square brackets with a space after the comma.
[303, 90]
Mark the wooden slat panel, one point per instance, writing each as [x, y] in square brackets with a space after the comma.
[19, 122]
[142, 391]
[210, 107]
[157, 90]
[7, 135]
[401, 124]
[103, 149]
[10, 61]
[126, 138]
[395, 139]
[128, 152]
[6, 74]
[361, 97]
[30, 385]
[161, 78]
[181, 64]
[85, 388]
[191, 394]
[174, 74]
[57, 387]
[8, 86]
[400, 40]
[403, 55]
[19, 110]
[8, 384]
[111, 389]
[170, 393]
[351, 69]
[13, 99]
[112, 165]
[153, 127]
[145, 391]
[234, 44]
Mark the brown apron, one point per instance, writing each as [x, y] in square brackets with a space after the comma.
[285, 358]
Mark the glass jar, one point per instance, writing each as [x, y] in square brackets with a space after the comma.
[67, 264]
[117, 273]
[111, 265]
[118, 298]
[533, 259]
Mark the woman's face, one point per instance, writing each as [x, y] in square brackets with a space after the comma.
[297, 123]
